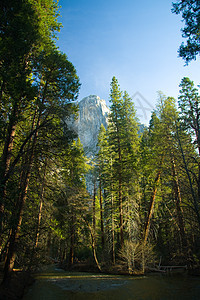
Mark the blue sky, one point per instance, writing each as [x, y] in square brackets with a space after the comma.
[135, 41]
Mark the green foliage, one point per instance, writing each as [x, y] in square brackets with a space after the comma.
[148, 190]
[190, 11]
[117, 166]
[122, 134]
[37, 87]
[189, 101]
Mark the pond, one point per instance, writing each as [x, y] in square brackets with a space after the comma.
[57, 284]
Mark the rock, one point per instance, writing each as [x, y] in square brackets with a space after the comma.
[92, 113]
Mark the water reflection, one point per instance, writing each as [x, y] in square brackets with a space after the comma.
[60, 285]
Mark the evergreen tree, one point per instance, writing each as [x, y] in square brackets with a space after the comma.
[106, 191]
[164, 162]
[189, 101]
[26, 28]
[190, 11]
[123, 141]
[37, 85]
[189, 104]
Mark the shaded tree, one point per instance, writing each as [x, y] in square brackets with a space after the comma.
[190, 11]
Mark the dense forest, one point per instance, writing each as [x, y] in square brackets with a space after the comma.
[145, 205]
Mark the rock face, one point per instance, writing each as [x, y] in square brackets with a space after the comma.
[92, 113]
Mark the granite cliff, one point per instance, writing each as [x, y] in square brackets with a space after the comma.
[92, 113]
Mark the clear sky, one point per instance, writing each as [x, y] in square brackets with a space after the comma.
[135, 41]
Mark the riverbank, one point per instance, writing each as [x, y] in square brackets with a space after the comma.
[54, 283]
[117, 269]
[21, 280]
[122, 269]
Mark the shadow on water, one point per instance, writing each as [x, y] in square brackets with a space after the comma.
[59, 285]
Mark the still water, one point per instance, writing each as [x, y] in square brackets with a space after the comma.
[57, 284]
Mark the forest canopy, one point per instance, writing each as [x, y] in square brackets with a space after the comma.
[145, 204]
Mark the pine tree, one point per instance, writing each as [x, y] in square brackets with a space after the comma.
[33, 106]
[190, 14]
[123, 141]
[189, 104]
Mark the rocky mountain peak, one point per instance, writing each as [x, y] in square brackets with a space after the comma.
[92, 113]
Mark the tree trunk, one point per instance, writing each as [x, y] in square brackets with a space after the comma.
[93, 246]
[101, 215]
[151, 207]
[121, 214]
[4, 167]
[94, 208]
[49, 243]
[72, 241]
[120, 197]
[38, 223]
[18, 213]
[178, 207]
[14, 239]
[40, 206]
[113, 231]
[195, 202]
